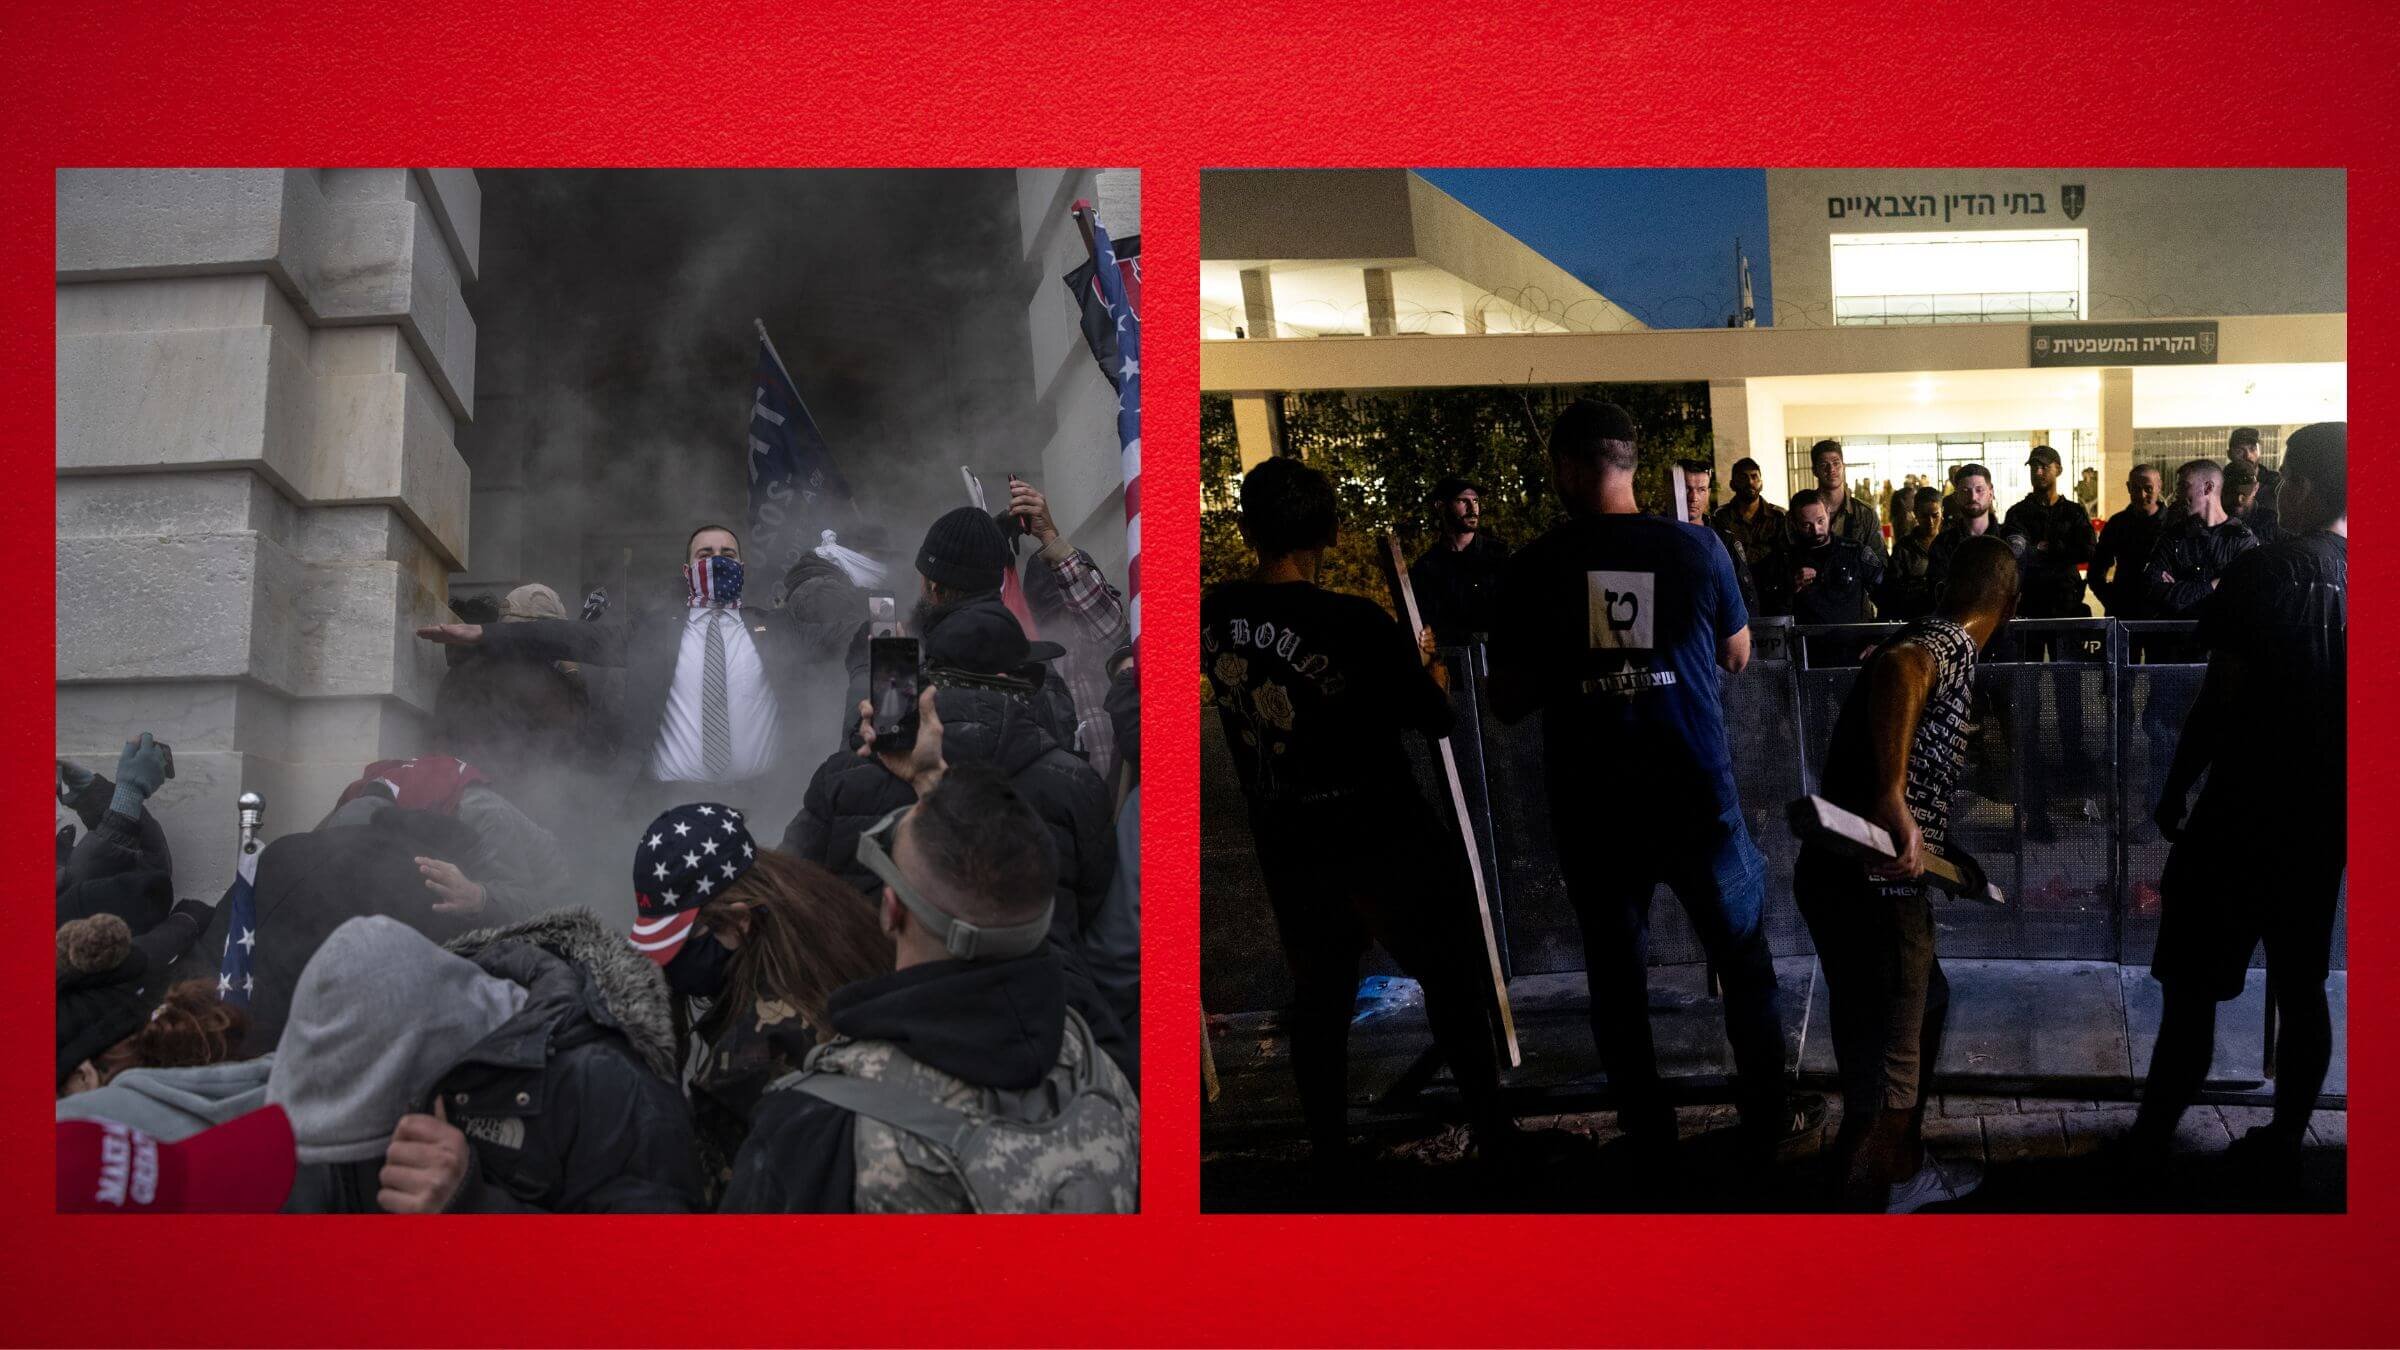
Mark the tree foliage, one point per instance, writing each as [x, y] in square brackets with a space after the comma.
[1385, 450]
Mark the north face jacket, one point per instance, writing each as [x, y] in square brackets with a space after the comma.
[571, 1106]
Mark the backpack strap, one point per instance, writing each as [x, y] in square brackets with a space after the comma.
[891, 1105]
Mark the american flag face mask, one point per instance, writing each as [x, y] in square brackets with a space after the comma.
[714, 580]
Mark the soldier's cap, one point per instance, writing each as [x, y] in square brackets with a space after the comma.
[1453, 485]
[2042, 454]
[2242, 436]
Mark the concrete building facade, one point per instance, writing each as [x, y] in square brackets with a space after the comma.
[1963, 245]
[299, 409]
[1961, 367]
[1288, 253]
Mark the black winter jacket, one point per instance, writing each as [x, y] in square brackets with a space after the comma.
[572, 1105]
[121, 868]
[2058, 539]
[851, 792]
[1846, 574]
[993, 1023]
[2188, 559]
[362, 861]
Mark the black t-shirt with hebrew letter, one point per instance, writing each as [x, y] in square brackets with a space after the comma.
[1616, 620]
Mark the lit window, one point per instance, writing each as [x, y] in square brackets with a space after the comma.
[1982, 276]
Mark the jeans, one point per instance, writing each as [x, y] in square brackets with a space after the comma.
[1612, 864]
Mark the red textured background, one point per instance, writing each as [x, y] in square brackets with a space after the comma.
[1170, 86]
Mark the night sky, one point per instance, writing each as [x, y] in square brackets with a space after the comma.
[1657, 241]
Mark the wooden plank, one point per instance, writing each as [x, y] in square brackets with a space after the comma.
[1406, 595]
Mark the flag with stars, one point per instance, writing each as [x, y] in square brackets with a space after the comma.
[1108, 294]
[795, 490]
[234, 982]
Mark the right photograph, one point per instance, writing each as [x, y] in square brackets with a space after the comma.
[1741, 690]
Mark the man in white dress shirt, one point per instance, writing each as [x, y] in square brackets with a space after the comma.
[705, 685]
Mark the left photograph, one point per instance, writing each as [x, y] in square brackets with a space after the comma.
[598, 690]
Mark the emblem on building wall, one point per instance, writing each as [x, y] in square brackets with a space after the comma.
[2070, 199]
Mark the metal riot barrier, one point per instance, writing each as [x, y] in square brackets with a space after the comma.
[2075, 726]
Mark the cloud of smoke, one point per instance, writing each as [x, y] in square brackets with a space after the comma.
[616, 351]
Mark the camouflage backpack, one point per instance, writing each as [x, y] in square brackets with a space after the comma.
[930, 1143]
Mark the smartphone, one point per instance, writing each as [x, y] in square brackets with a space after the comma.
[892, 690]
[883, 616]
[166, 753]
[1024, 523]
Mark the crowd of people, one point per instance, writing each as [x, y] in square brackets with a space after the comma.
[921, 993]
[1617, 627]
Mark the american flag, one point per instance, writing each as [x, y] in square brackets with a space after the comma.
[1108, 291]
[241, 929]
[795, 490]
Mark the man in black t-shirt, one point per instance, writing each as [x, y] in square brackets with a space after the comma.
[1898, 747]
[2125, 545]
[1614, 625]
[1314, 690]
[1455, 578]
[2262, 855]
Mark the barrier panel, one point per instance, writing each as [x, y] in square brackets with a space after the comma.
[2076, 722]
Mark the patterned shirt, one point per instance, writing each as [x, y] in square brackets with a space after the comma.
[1938, 751]
[1099, 612]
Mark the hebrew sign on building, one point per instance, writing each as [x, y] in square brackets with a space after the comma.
[2192, 343]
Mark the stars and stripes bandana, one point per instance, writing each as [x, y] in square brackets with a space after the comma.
[688, 856]
[714, 581]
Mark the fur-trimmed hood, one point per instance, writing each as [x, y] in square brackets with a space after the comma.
[631, 993]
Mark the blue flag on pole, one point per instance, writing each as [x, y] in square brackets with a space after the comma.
[795, 490]
[241, 931]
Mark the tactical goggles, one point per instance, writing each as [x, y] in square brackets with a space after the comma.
[965, 941]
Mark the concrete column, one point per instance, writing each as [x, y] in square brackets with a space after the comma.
[1729, 429]
[1255, 427]
[2116, 437]
[1258, 303]
[260, 378]
[1381, 318]
[1470, 307]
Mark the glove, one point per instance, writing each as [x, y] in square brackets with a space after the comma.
[140, 769]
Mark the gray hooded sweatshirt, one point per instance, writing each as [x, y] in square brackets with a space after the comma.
[173, 1104]
[379, 1014]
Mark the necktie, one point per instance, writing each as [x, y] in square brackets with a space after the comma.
[716, 724]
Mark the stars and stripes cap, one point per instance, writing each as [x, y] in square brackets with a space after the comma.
[689, 855]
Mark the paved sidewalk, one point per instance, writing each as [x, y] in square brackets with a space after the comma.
[2038, 1155]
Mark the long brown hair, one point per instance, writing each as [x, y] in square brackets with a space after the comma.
[810, 934]
[192, 1027]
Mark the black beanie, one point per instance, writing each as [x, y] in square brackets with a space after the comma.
[99, 989]
[964, 552]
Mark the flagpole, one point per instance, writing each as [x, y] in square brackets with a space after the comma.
[797, 402]
[1084, 215]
